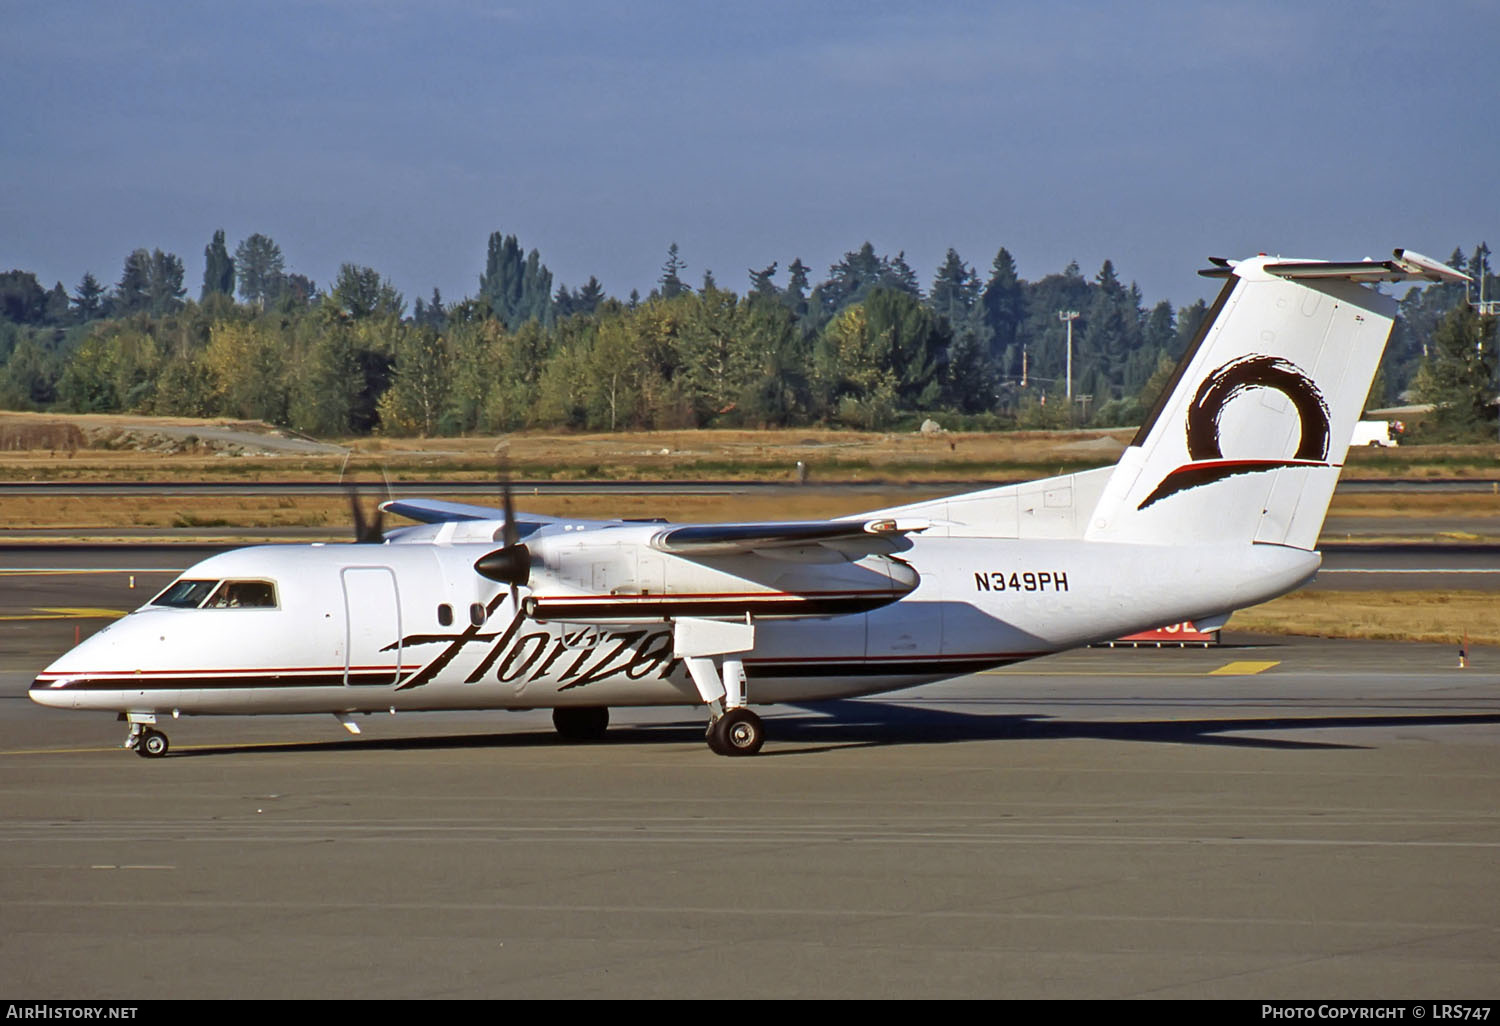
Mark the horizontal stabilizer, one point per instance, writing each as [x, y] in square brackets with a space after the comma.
[1404, 265]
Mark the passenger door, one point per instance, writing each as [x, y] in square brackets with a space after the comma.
[372, 625]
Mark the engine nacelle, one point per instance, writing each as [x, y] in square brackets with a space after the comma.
[601, 582]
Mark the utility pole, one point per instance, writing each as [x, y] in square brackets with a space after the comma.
[1069, 316]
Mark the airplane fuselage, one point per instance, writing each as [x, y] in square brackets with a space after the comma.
[406, 627]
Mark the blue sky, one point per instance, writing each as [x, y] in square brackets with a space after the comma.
[400, 135]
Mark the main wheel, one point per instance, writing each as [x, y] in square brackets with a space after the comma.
[153, 744]
[714, 738]
[738, 732]
[584, 723]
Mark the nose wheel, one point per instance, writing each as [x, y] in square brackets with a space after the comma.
[153, 744]
[148, 742]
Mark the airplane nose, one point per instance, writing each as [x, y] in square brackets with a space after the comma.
[51, 692]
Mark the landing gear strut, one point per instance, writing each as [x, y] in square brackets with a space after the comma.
[732, 728]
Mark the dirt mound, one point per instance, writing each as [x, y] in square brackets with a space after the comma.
[52, 435]
[31, 432]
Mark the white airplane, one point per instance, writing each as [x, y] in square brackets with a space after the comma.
[1216, 505]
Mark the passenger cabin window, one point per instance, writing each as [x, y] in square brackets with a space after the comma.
[476, 614]
[184, 594]
[445, 614]
[243, 595]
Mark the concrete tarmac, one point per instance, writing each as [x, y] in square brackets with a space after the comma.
[1269, 819]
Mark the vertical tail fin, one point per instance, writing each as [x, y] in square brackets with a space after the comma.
[1247, 440]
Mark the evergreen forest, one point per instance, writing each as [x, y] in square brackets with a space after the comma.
[870, 344]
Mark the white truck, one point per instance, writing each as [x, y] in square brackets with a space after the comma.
[1376, 432]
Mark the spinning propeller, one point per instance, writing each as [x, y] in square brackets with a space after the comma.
[370, 532]
[511, 563]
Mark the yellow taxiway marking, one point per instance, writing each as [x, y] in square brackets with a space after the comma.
[1236, 669]
[1247, 668]
[50, 613]
[63, 571]
[1015, 672]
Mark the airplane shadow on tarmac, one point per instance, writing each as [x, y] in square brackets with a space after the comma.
[862, 723]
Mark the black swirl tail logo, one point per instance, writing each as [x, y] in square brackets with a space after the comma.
[1208, 463]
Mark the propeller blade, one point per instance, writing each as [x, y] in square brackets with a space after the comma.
[357, 513]
[517, 575]
[511, 536]
[365, 532]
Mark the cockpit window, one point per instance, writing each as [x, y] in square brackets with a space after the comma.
[188, 594]
[243, 594]
[184, 594]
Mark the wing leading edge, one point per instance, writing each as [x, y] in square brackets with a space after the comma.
[436, 511]
[849, 536]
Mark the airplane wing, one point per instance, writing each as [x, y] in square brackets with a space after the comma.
[436, 511]
[852, 537]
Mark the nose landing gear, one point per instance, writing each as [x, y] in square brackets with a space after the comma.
[148, 742]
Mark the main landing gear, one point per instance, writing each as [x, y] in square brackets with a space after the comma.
[738, 732]
[732, 728]
[147, 741]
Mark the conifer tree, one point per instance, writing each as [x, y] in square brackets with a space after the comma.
[218, 268]
[516, 289]
[87, 301]
[1458, 377]
[133, 291]
[260, 269]
[671, 274]
[165, 288]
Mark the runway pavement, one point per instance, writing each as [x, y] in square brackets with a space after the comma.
[1267, 819]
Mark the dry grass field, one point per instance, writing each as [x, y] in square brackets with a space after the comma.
[1441, 616]
[54, 447]
[65, 513]
[895, 468]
